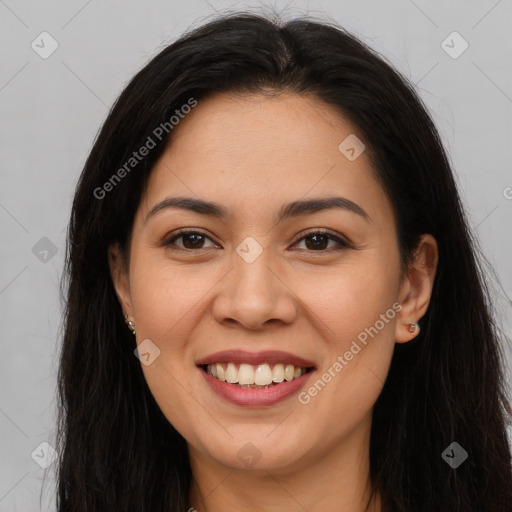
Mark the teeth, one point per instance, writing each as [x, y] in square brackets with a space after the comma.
[288, 372]
[231, 374]
[261, 375]
[246, 374]
[220, 371]
[278, 373]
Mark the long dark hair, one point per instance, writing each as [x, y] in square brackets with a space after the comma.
[117, 451]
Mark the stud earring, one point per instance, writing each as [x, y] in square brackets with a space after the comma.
[130, 324]
[413, 328]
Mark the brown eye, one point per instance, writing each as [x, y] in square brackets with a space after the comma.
[190, 240]
[317, 241]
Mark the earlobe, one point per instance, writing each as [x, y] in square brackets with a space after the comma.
[416, 289]
[405, 332]
[119, 275]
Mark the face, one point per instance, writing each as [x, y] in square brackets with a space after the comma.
[255, 280]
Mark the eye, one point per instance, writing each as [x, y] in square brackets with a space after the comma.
[190, 240]
[317, 241]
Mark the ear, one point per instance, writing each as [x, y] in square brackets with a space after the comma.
[119, 274]
[416, 287]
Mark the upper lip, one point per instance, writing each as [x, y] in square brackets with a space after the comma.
[266, 356]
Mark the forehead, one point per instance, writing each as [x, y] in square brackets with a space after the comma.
[261, 130]
[248, 151]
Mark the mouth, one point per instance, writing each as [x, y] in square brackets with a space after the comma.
[255, 379]
[259, 376]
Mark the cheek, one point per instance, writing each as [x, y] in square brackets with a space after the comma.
[167, 307]
[339, 306]
[357, 312]
[342, 303]
[351, 300]
[166, 297]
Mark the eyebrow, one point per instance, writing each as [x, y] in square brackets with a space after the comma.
[289, 210]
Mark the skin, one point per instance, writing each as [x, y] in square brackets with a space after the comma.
[252, 154]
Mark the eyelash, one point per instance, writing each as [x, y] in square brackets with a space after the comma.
[342, 244]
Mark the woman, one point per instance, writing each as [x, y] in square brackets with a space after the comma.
[273, 297]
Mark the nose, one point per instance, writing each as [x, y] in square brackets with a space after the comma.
[254, 294]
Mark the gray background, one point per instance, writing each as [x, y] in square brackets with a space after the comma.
[52, 108]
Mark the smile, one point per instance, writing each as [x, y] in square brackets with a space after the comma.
[255, 376]
[254, 379]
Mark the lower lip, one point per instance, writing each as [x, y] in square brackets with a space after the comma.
[252, 397]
